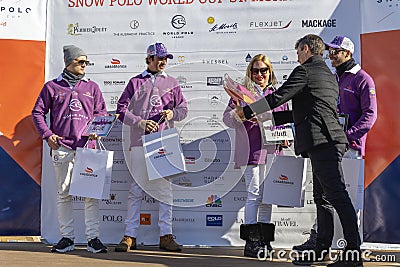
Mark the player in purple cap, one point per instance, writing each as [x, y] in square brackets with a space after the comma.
[151, 102]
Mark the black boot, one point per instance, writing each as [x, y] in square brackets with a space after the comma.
[254, 249]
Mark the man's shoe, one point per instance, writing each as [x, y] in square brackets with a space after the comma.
[126, 244]
[308, 257]
[310, 242]
[64, 245]
[168, 243]
[254, 249]
[95, 246]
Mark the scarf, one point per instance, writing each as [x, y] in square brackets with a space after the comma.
[345, 66]
[71, 78]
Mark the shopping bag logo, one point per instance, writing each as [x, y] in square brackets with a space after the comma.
[88, 172]
[162, 151]
[283, 179]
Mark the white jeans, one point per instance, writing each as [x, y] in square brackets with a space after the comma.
[135, 196]
[255, 211]
[63, 162]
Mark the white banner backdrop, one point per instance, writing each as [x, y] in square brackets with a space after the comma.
[208, 39]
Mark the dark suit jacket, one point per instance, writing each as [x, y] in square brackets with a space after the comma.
[314, 91]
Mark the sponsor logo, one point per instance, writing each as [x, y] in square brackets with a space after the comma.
[246, 61]
[183, 200]
[148, 199]
[145, 219]
[318, 23]
[372, 91]
[190, 160]
[75, 105]
[183, 220]
[112, 200]
[182, 80]
[75, 29]
[214, 81]
[210, 179]
[88, 172]
[115, 63]
[269, 25]
[183, 181]
[214, 99]
[282, 179]
[224, 28]
[241, 199]
[215, 61]
[134, 25]
[155, 101]
[112, 218]
[118, 162]
[178, 21]
[213, 122]
[214, 201]
[214, 220]
[162, 151]
[114, 83]
[286, 222]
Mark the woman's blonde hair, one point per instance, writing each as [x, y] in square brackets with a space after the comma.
[272, 78]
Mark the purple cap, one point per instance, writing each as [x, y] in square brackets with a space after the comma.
[341, 42]
[159, 50]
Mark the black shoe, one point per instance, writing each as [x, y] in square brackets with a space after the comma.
[308, 257]
[254, 249]
[348, 258]
[310, 242]
[95, 246]
[64, 245]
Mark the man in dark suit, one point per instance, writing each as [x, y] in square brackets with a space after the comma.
[314, 93]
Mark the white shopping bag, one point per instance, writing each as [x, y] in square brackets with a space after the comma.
[285, 181]
[91, 175]
[163, 154]
[353, 172]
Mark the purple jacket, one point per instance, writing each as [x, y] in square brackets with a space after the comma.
[249, 145]
[141, 100]
[70, 110]
[357, 98]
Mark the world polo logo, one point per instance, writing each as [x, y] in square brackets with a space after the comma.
[88, 172]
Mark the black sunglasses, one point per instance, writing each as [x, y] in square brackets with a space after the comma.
[335, 51]
[262, 70]
[81, 62]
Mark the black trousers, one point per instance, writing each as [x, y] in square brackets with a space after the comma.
[329, 191]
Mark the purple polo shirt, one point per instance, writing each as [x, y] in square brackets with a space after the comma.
[70, 108]
[145, 97]
[357, 98]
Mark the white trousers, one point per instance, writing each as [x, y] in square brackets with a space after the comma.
[255, 211]
[135, 196]
[63, 162]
